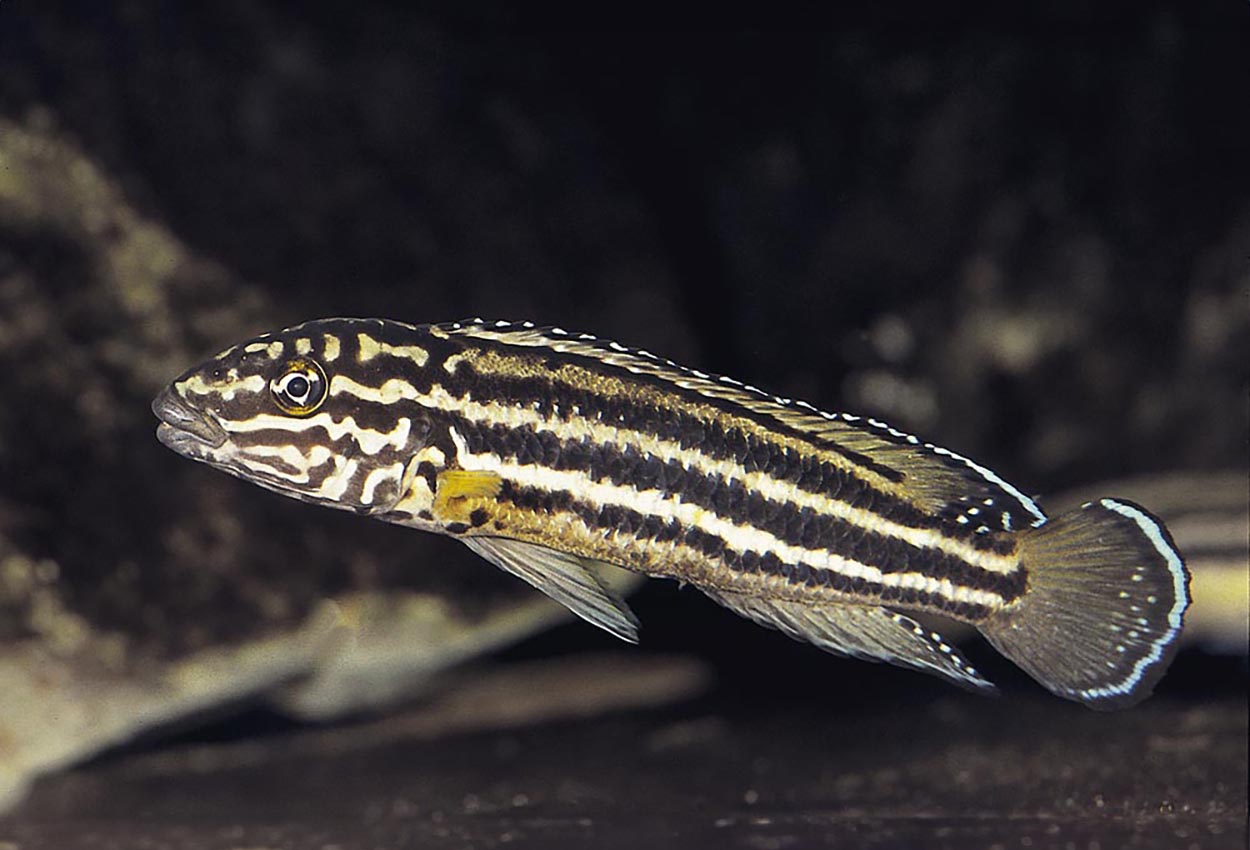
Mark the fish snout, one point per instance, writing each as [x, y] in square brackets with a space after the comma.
[182, 426]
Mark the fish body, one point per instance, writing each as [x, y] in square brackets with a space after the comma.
[549, 452]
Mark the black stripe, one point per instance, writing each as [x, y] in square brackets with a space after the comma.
[664, 380]
[650, 528]
[760, 408]
[318, 435]
[549, 398]
[733, 501]
[712, 438]
[661, 376]
[555, 399]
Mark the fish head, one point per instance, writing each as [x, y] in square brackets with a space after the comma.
[301, 412]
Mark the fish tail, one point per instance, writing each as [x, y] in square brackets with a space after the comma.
[1107, 593]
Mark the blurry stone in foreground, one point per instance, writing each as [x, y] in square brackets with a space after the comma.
[137, 593]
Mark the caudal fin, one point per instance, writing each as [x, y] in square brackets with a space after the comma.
[1107, 592]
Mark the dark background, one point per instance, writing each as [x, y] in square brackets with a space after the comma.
[1023, 233]
[1038, 217]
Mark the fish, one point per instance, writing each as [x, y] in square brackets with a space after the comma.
[550, 453]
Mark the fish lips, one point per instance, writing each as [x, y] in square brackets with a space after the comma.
[184, 429]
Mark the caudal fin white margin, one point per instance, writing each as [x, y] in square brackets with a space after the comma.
[1105, 604]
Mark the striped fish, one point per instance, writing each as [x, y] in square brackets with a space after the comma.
[549, 452]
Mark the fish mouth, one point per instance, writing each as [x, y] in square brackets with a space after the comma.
[183, 429]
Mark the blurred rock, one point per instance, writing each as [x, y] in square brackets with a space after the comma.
[134, 590]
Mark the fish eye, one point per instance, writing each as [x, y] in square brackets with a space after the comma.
[300, 388]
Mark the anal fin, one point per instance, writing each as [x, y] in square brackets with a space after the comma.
[568, 579]
[861, 631]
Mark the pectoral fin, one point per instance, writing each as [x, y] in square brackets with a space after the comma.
[456, 486]
[563, 577]
[861, 631]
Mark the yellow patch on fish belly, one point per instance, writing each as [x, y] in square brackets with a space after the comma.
[458, 487]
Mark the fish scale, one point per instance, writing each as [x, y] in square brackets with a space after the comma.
[548, 452]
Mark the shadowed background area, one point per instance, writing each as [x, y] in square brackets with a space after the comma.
[1025, 238]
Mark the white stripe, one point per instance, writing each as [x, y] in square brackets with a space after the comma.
[272, 349]
[1175, 616]
[336, 483]
[291, 455]
[370, 441]
[493, 413]
[737, 537]
[331, 347]
[379, 476]
[261, 468]
[371, 348]
[390, 390]
[251, 458]
[227, 389]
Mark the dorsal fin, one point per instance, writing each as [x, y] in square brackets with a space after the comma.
[941, 481]
[946, 483]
